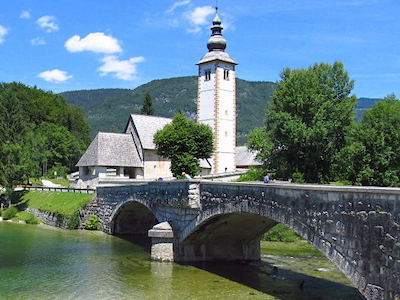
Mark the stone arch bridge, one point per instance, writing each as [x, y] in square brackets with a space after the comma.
[357, 228]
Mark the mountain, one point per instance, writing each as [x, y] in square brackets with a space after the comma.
[108, 109]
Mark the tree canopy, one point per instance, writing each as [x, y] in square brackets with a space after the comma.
[184, 142]
[307, 121]
[38, 130]
[372, 156]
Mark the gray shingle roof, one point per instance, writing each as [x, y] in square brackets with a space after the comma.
[147, 126]
[216, 55]
[246, 157]
[111, 149]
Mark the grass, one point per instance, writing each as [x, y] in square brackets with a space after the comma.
[26, 217]
[297, 248]
[56, 202]
[62, 181]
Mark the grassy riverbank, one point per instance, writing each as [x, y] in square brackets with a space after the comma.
[65, 205]
[55, 202]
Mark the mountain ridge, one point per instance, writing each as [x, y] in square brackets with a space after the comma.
[108, 109]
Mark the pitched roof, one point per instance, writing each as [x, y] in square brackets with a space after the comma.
[111, 149]
[147, 126]
[246, 157]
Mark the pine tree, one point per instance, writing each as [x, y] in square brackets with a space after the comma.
[148, 108]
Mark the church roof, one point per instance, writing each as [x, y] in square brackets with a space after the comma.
[147, 126]
[246, 157]
[111, 149]
[216, 55]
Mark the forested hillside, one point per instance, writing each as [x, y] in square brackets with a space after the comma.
[109, 109]
[38, 131]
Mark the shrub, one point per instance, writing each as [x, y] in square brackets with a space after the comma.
[93, 223]
[73, 220]
[253, 174]
[280, 233]
[298, 177]
[10, 213]
[27, 217]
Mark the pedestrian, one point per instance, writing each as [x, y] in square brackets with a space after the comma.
[187, 176]
[267, 178]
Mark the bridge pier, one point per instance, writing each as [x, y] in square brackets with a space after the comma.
[162, 242]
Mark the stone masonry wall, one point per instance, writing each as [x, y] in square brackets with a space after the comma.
[358, 229]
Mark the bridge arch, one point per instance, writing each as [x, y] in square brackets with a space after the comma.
[132, 217]
[357, 228]
[228, 236]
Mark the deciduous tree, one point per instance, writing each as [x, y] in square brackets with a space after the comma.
[184, 142]
[307, 121]
[372, 156]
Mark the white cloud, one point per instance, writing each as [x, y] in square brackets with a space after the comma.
[3, 32]
[122, 69]
[38, 41]
[56, 76]
[96, 42]
[176, 5]
[25, 15]
[198, 17]
[48, 23]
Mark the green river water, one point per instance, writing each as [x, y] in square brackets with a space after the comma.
[42, 262]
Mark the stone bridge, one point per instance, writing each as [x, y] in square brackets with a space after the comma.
[357, 228]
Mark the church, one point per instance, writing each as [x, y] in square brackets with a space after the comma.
[116, 158]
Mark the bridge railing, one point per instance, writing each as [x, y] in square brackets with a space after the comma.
[59, 189]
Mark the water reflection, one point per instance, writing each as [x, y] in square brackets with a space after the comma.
[38, 262]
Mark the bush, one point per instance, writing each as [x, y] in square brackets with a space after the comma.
[298, 177]
[253, 174]
[73, 220]
[93, 223]
[10, 213]
[280, 233]
[27, 217]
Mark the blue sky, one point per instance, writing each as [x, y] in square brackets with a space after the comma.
[69, 45]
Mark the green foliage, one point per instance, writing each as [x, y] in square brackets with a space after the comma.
[110, 108]
[307, 121]
[72, 220]
[280, 233]
[372, 156]
[37, 130]
[10, 213]
[184, 142]
[27, 218]
[298, 177]
[57, 171]
[253, 174]
[297, 248]
[148, 108]
[93, 223]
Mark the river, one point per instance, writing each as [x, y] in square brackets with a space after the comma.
[42, 262]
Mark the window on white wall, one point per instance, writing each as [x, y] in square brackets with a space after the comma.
[226, 74]
[207, 74]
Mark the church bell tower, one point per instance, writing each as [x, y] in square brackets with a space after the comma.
[216, 99]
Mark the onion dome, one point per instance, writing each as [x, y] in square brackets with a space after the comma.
[216, 42]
